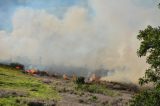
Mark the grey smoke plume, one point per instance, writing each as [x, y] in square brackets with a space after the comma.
[104, 38]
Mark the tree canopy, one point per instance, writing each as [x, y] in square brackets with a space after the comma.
[150, 47]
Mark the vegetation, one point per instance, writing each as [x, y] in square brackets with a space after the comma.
[93, 88]
[80, 80]
[149, 47]
[17, 65]
[147, 98]
[93, 98]
[17, 88]
[96, 88]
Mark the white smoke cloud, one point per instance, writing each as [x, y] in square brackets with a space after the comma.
[81, 38]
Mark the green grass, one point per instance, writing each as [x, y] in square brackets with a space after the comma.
[14, 80]
[93, 98]
[96, 88]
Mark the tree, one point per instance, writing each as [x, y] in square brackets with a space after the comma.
[150, 47]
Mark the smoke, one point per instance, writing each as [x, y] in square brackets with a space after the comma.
[102, 38]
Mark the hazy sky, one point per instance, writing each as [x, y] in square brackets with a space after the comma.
[77, 33]
[57, 7]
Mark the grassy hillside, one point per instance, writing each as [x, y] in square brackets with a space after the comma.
[17, 89]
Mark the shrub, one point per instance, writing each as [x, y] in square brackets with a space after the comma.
[93, 98]
[147, 98]
[96, 88]
[80, 80]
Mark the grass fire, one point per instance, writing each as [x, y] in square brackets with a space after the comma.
[33, 87]
[79, 53]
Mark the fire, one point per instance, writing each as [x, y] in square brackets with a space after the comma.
[94, 78]
[74, 77]
[32, 71]
[18, 67]
[65, 77]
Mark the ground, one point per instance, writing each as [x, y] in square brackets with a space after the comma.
[17, 89]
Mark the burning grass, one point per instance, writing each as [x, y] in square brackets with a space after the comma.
[13, 80]
[18, 88]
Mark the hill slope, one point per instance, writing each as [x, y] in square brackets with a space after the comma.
[17, 89]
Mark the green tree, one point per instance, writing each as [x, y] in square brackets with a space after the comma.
[150, 47]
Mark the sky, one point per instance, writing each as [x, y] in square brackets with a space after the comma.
[58, 7]
[92, 34]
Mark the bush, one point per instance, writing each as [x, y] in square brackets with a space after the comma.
[80, 80]
[147, 98]
[93, 98]
[96, 88]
